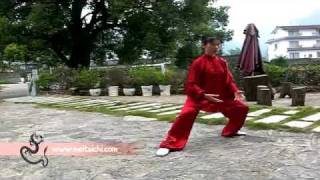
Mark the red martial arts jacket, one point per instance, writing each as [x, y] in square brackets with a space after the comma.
[211, 75]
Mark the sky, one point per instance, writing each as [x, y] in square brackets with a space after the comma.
[266, 15]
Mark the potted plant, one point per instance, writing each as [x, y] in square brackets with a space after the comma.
[96, 91]
[145, 77]
[23, 75]
[115, 78]
[128, 86]
[88, 81]
[164, 83]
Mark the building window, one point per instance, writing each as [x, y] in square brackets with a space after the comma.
[294, 55]
[318, 54]
[293, 44]
[294, 33]
[310, 55]
[275, 46]
[318, 43]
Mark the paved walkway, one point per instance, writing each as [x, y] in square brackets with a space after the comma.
[18, 90]
[302, 119]
[13, 90]
[260, 155]
[312, 99]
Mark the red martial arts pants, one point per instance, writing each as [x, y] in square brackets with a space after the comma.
[178, 135]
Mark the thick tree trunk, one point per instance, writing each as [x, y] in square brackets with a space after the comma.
[80, 56]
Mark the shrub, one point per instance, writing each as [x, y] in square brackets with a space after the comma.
[118, 77]
[176, 78]
[87, 79]
[280, 61]
[65, 76]
[45, 80]
[276, 74]
[145, 76]
[308, 75]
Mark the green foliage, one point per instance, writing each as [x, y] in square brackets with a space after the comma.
[145, 75]
[308, 75]
[276, 74]
[165, 79]
[118, 77]
[57, 32]
[87, 79]
[46, 79]
[4, 82]
[234, 51]
[280, 61]
[186, 54]
[15, 52]
[176, 78]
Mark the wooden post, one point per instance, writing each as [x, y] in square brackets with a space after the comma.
[265, 97]
[298, 96]
[251, 83]
[259, 92]
[285, 89]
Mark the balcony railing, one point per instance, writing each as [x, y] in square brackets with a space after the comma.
[316, 45]
[295, 46]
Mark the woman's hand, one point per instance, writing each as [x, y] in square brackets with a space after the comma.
[238, 96]
[212, 98]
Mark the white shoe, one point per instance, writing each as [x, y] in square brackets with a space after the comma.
[162, 151]
[241, 133]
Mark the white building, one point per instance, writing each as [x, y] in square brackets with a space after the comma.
[295, 42]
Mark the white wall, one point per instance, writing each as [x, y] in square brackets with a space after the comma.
[280, 51]
[284, 44]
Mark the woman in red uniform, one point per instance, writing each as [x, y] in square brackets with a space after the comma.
[209, 87]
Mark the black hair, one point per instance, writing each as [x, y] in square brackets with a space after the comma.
[210, 39]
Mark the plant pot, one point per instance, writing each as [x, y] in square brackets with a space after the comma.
[129, 91]
[22, 80]
[165, 90]
[113, 90]
[147, 90]
[95, 92]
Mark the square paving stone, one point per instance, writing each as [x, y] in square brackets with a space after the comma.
[290, 112]
[272, 119]
[313, 118]
[138, 118]
[169, 112]
[213, 116]
[316, 129]
[259, 112]
[298, 124]
[166, 109]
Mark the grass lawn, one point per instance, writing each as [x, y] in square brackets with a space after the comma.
[303, 111]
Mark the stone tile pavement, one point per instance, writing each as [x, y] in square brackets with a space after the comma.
[260, 155]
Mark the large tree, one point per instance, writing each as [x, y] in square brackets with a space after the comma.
[75, 30]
